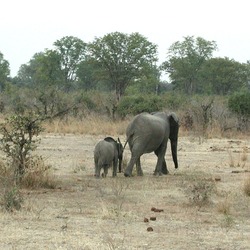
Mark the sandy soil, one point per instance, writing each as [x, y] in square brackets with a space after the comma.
[88, 213]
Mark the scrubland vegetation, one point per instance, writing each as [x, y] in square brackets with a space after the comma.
[53, 113]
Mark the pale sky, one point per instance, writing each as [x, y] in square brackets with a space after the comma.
[30, 26]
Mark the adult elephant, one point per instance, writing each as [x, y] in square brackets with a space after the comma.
[148, 133]
[108, 153]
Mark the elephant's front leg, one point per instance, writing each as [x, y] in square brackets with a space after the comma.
[161, 166]
[138, 167]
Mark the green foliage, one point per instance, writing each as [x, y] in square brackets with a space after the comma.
[43, 70]
[4, 71]
[122, 59]
[222, 76]
[174, 100]
[239, 103]
[86, 75]
[19, 139]
[185, 60]
[136, 104]
[71, 51]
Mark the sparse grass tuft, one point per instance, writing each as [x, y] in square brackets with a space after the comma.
[200, 192]
[246, 187]
[11, 199]
[228, 221]
[240, 160]
[244, 154]
[38, 174]
[224, 207]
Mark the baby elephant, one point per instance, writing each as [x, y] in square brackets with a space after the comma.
[107, 153]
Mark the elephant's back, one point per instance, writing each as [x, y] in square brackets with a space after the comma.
[103, 148]
[144, 122]
[147, 130]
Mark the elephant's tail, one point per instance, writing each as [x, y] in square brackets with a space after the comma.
[128, 138]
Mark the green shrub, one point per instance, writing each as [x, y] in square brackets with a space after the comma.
[175, 101]
[239, 103]
[19, 139]
[137, 104]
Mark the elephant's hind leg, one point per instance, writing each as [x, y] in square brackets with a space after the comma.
[138, 167]
[164, 167]
[105, 170]
[129, 169]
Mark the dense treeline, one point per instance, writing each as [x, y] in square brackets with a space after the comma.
[120, 74]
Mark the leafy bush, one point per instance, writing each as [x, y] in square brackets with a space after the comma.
[239, 103]
[137, 104]
[175, 101]
[19, 134]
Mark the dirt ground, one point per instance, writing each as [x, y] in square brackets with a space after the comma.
[203, 203]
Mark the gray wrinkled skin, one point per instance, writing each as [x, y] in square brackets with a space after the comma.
[148, 133]
[107, 153]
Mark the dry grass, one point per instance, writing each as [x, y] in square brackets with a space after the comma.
[239, 159]
[108, 213]
[92, 125]
[10, 196]
[246, 187]
[224, 207]
[244, 154]
[38, 174]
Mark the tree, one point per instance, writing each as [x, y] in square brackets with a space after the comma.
[43, 70]
[149, 82]
[4, 71]
[71, 51]
[185, 60]
[222, 76]
[86, 75]
[122, 58]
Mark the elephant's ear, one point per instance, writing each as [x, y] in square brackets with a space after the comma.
[174, 126]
